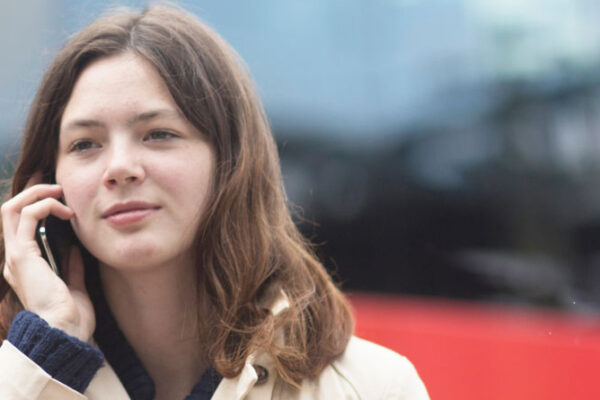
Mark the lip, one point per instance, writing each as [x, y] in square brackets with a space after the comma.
[129, 212]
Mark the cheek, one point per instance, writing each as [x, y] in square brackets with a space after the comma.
[183, 181]
[190, 182]
[78, 189]
[191, 169]
[79, 196]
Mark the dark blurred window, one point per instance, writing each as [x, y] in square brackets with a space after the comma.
[442, 148]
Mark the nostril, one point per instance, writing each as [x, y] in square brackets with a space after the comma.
[123, 171]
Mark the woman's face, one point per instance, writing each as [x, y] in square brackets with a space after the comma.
[134, 170]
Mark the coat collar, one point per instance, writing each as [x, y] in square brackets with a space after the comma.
[236, 388]
[122, 357]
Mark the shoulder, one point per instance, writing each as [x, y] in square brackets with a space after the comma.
[376, 372]
[360, 351]
[365, 371]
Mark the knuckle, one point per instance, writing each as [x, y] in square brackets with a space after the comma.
[28, 211]
[31, 210]
[6, 208]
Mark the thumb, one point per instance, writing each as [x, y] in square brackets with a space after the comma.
[76, 273]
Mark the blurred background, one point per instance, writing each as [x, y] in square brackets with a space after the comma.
[444, 154]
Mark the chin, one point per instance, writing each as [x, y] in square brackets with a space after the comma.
[132, 257]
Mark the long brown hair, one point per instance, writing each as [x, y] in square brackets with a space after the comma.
[248, 247]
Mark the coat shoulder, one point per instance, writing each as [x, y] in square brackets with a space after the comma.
[375, 372]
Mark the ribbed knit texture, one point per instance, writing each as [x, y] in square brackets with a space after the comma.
[74, 362]
[119, 353]
[64, 357]
[121, 356]
[207, 385]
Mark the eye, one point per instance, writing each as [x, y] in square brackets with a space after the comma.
[160, 135]
[82, 145]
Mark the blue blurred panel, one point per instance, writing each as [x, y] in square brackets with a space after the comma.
[357, 71]
[26, 44]
[352, 69]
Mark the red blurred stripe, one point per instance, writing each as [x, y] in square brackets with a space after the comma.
[472, 351]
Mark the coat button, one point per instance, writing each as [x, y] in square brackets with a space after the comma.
[262, 373]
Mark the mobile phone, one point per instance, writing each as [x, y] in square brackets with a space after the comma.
[46, 249]
[55, 238]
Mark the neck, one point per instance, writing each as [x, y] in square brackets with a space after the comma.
[156, 310]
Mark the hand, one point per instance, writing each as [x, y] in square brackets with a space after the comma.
[68, 308]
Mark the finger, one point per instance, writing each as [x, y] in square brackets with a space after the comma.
[30, 195]
[75, 270]
[33, 213]
[11, 210]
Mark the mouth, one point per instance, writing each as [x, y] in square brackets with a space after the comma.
[129, 212]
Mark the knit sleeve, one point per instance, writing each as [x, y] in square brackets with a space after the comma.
[66, 358]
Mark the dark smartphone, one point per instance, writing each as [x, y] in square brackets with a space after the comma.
[44, 243]
[55, 237]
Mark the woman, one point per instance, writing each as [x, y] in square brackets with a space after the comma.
[185, 275]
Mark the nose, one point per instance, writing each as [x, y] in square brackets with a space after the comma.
[124, 165]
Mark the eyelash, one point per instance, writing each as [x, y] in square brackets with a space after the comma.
[86, 144]
[169, 135]
[78, 146]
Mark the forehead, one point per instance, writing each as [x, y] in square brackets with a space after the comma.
[117, 86]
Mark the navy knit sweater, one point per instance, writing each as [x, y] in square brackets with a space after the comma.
[75, 363]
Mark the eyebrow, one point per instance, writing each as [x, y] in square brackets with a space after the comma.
[142, 117]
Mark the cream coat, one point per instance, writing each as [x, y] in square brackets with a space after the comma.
[364, 371]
